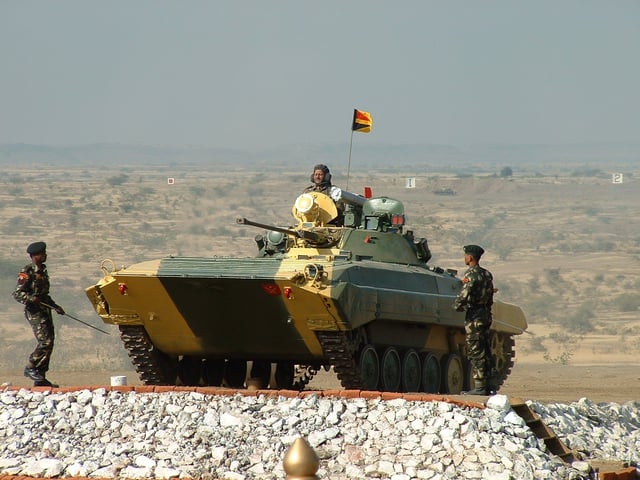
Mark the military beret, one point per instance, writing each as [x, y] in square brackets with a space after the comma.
[36, 247]
[474, 250]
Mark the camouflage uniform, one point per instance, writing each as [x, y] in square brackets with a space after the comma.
[324, 187]
[33, 286]
[476, 297]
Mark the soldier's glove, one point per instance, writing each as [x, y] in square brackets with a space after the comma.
[35, 300]
[59, 310]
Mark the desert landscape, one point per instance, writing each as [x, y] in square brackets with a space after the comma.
[562, 243]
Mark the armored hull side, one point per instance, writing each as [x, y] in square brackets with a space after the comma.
[267, 309]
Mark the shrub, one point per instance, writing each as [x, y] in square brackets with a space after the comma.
[117, 179]
[580, 321]
[534, 284]
[627, 302]
[197, 191]
[562, 359]
[503, 251]
[506, 172]
[18, 224]
[536, 345]
[553, 276]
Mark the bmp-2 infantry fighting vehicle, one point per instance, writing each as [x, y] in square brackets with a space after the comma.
[347, 287]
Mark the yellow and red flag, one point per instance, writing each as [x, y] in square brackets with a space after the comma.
[362, 121]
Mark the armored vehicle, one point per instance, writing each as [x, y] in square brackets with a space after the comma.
[348, 286]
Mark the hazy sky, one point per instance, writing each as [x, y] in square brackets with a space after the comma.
[262, 73]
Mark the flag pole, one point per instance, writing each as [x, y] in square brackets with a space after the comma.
[362, 123]
[349, 163]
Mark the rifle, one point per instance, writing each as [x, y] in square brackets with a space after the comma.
[51, 307]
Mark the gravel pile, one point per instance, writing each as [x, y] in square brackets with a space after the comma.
[115, 434]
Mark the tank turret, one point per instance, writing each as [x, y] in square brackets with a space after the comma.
[316, 212]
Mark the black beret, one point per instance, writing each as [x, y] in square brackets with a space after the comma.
[474, 250]
[36, 247]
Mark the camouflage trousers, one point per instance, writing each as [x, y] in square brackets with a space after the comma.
[41, 322]
[478, 340]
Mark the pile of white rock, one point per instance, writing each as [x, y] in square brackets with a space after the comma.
[112, 434]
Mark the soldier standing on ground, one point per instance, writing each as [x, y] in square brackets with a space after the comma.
[32, 290]
[320, 180]
[476, 297]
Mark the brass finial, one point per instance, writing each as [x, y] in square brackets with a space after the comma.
[301, 462]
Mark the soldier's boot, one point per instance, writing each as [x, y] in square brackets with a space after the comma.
[34, 374]
[45, 383]
[481, 388]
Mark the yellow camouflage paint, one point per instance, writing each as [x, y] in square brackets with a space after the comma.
[508, 318]
[310, 304]
[146, 302]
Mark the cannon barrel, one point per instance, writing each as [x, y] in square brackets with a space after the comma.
[304, 234]
[339, 195]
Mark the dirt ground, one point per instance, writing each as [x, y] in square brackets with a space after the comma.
[602, 368]
[543, 382]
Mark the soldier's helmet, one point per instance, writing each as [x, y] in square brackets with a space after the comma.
[325, 169]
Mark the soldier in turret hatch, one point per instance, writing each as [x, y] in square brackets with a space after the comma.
[320, 180]
[476, 298]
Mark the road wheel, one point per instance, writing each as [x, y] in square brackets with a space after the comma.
[261, 373]
[369, 368]
[431, 373]
[235, 373]
[284, 375]
[502, 349]
[213, 372]
[452, 374]
[190, 370]
[391, 369]
[411, 371]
